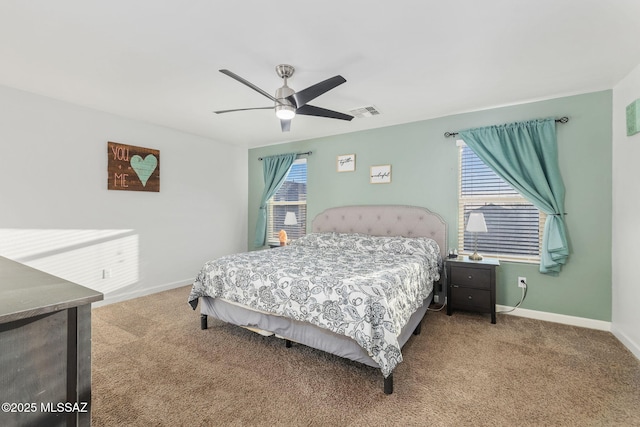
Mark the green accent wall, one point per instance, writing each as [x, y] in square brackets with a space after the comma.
[424, 168]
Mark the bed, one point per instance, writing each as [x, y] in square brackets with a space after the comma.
[357, 286]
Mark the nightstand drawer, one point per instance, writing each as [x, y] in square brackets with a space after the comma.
[473, 299]
[472, 277]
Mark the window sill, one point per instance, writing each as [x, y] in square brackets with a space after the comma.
[507, 258]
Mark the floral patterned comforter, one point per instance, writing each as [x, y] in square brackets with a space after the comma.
[361, 286]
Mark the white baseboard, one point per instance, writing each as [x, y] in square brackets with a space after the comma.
[624, 339]
[557, 318]
[110, 299]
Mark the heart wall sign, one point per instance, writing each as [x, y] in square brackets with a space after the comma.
[133, 168]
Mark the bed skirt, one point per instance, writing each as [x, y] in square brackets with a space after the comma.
[301, 332]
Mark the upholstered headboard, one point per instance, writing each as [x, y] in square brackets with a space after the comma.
[384, 220]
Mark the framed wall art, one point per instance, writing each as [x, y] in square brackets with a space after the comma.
[346, 163]
[132, 168]
[380, 174]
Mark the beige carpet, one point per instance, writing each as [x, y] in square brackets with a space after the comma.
[153, 366]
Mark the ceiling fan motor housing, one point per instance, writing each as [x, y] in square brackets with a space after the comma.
[284, 108]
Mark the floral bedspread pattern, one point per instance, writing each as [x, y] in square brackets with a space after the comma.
[361, 286]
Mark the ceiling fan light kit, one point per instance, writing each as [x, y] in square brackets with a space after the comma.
[285, 112]
[288, 103]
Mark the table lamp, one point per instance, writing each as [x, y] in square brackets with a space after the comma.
[475, 225]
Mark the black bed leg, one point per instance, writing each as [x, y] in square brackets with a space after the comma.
[287, 343]
[418, 329]
[388, 384]
[203, 321]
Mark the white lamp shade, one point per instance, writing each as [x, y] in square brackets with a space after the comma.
[476, 223]
[290, 219]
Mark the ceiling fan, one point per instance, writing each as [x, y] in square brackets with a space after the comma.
[288, 103]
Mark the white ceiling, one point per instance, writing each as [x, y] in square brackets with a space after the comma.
[157, 60]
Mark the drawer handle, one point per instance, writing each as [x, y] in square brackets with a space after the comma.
[470, 277]
[470, 297]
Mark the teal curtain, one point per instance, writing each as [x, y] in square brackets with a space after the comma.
[525, 155]
[275, 169]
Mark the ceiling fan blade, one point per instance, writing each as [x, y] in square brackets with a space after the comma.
[243, 109]
[285, 125]
[310, 110]
[248, 83]
[301, 98]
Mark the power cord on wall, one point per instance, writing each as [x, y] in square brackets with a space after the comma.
[522, 297]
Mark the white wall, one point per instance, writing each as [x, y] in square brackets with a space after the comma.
[57, 215]
[626, 217]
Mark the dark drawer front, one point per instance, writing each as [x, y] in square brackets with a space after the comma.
[473, 299]
[473, 277]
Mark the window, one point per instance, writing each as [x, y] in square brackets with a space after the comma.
[290, 198]
[514, 225]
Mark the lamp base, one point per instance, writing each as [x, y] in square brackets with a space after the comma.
[475, 256]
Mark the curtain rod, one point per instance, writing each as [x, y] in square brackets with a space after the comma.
[307, 153]
[560, 120]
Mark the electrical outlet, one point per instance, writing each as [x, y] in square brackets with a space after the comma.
[436, 298]
[522, 282]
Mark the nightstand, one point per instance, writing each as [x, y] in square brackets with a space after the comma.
[471, 285]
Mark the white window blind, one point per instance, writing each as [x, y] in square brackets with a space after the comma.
[514, 225]
[290, 197]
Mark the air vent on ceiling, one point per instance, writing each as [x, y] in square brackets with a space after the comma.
[364, 111]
